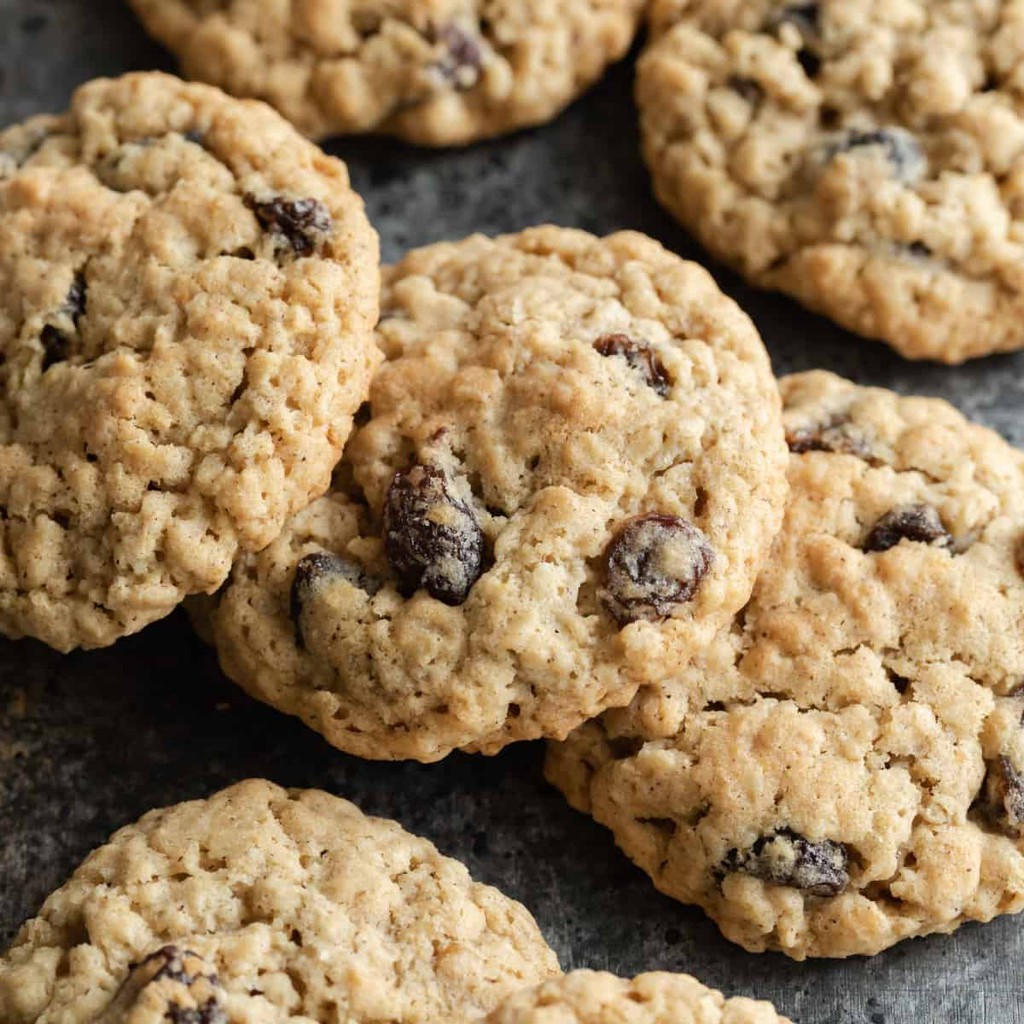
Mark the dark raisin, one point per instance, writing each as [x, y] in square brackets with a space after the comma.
[919, 524]
[463, 56]
[640, 357]
[901, 149]
[1002, 796]
[313, 570]
[918, 249]
[210, 1012]
[786, 858]
[432, 537]
[654, 564]
[836, 436]
[74, 304]
[750, 90]
[302, 223]
[56, 346]
[174, 964]
[194, 136]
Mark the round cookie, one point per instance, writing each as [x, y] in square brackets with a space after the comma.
[843, 768]
[594, 997]
[434, 72]
[188, 295]
[569, 473]
[864, 156]
[261, 905]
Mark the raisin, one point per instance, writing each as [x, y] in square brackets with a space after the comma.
[302, 223]
[209, 1012]
[463, 56]
[56, 346]
[74, 304]
[786, 858]
[901, 149]
[432, 538]
[1002, 796]
[919, 524]
[918, 250]
[176, 981]
[835, 436]
[640, 357]
[321, 566]
[654, 564]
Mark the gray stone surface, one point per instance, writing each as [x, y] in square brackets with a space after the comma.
[89, 742]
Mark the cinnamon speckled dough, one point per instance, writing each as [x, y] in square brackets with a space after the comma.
[261, 905]
[560, 399]
[592, 997]
[187, 295]
[436, 72]
[865, 156]
[844, 767]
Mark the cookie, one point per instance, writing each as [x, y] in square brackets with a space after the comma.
[261, 904]
[593, 997]
[434, 72]
[864, 156]
[187, 296]
[843, 767]
[569, 472]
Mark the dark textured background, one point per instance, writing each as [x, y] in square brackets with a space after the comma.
[91, 741]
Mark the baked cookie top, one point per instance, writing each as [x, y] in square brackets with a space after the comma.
[261, 905]
[864, 156]
[187, 296]
[570, 470]
[436, 72]
[593, 997]
[844, 766]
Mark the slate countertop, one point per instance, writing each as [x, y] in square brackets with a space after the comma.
[89, 742]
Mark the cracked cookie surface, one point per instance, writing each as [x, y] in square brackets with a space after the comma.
[435, 72]
[531, 518]
[843, 768]
[595, 997]
[189, 290]
[261, 904]
[864, 156]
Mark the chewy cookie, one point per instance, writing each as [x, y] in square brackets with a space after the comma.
[865, 156]
[592, 997]
[569, 473]
[844, 766]
[435, 72]
[187, 295]
[261, 905]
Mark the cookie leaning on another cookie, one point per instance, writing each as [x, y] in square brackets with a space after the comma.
[187, 295]
[864, 156]
[594, 997]
[570, 471]
[262, 904]
[843, 767]
[435, 72]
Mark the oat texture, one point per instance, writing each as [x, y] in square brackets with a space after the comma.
[570, 470]
[435, 72]
[844, 766]
[259, 906]
[187, 294]
[865, 156]
[592, 997]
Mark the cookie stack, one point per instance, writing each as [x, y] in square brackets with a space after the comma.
[543, 485]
